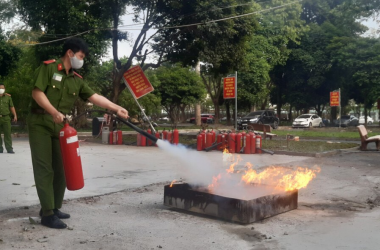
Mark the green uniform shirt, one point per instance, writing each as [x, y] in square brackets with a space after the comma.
[61, 90]
[5, 104]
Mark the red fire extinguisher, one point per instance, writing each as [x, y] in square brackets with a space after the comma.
[175, 137]
[239, 137]
[150, 143]
[164, 135]
[232, 142]
[226, 139]
[114, 140]
[111, 138]
[143, 141]
[253, 143]
[169, 136]
[247, 146]
[213, 136]
[203, 134]
[157, 136]
[238, 142]
[258, 144]
[209, 140]
[219, 141]
[72, 164]
[200, 142]
[119, 137]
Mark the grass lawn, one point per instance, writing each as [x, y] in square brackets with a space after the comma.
[322, 133]
[305, 146]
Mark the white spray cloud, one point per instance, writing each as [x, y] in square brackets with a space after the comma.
[194, 166]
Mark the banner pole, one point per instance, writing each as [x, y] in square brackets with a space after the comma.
[236, 110]
[138, 104]
[340, 110]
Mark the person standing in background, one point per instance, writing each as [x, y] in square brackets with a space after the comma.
[6, 107]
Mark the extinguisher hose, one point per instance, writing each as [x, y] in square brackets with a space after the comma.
[137, 129]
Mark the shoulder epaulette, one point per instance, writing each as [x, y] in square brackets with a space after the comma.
[8, 94]
[49, 61]
[75, 73]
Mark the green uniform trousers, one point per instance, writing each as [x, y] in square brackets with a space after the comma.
[48, 169]
[5, 128]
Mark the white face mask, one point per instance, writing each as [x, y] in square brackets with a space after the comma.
[75, 62]
[2, 91]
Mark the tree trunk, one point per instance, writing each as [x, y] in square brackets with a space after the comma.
[198, 120]
[290, 113]
[264, 105]
[183, 113]
[217, 110]
[279, 103]
[279, 107]
[365, 115]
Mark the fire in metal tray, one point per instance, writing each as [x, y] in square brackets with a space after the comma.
[244, 211]
[244, 194]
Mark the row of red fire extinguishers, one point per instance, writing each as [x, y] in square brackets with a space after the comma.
[171, 136]
[241, 142]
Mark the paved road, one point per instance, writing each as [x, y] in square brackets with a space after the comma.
[338, 210]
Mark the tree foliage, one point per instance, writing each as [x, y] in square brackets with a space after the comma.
[312, 71]
[9, 55]
[268, 48]
[57, 20]
[177, 87]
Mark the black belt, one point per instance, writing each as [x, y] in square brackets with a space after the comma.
[3, 115]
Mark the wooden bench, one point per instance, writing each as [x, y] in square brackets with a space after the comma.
[262, 129]
[365, 139]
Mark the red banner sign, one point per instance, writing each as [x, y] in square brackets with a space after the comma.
[334, 99]
[229, 88]
[137, 82]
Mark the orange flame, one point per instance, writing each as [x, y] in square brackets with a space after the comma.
[171, 184]
[282, 178]
[215, 181]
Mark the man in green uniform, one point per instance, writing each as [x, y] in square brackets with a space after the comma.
[56, 87]
[6, 107]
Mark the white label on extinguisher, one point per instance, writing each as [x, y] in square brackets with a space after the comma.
[62, 133]
[78, 152]
[257, 142]
[72, 139]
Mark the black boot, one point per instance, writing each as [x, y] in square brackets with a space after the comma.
[58, 213]
[52, 221]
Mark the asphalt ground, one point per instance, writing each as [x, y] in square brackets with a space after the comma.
[121, 205]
